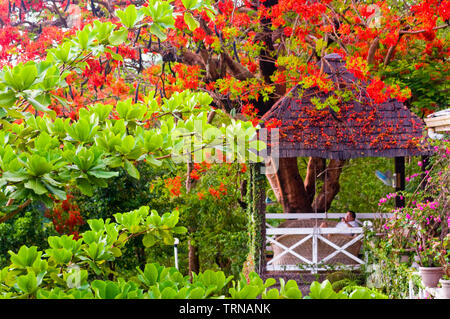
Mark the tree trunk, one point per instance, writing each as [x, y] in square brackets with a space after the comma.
[194, 263]
[315, 167]
[330, 186]
[297, 196]
[288, 186]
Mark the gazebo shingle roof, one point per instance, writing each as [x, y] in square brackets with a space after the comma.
[361, 128]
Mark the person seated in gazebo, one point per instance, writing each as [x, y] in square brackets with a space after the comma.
[347, 222]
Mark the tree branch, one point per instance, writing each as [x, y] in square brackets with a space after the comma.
[372, 50]
[13, 213]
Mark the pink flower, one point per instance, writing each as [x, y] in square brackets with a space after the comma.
[433, 205]
[420, 163]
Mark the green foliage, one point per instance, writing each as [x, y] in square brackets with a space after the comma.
[416, 232]
[30, 82]
[384, 270]
[31, 269]
[251, 287]
[75, 269]
[91, 149]
[128, 194]
[217, 223]
[325, 290]
[426, 79]
[31, 229]
[43, 155]
[341, 279]
[360, 190]
[220, 237]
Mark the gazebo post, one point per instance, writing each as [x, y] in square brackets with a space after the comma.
[399, 180]
[256, 213]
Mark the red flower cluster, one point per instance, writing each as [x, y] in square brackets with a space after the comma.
[219, 192]
[249, 110]
[95, 72]
[358, 67]
[36, 5]
[376, 91]
[380, 92]
[66, 217]
[173, 185]
[198, 35]
[305, 9]
[188, 75]
[273, 122]
[226, 7]
[199, 168]
[200, 195]
[194, 175]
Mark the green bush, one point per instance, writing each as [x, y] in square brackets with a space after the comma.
[84, 268]
[30, 228]
[217, 227]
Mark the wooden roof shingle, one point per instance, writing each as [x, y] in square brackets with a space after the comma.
[361, 128]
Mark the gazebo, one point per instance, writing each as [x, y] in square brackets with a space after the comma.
[360, 128]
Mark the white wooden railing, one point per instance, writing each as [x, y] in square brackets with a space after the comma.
[316, 234]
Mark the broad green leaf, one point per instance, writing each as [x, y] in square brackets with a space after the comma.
[85, 187]
[191, 22]
[191, 4]
[27, 283]
[131, 169]
[37, 104]
[102, 174]
[156, 30]
[7, 99]
[149, 240]
[36, 186]
[105, 289]
[130, 16]
[59, 193]
[25, 257]
[118, 37]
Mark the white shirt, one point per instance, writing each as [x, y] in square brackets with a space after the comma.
[341, 224]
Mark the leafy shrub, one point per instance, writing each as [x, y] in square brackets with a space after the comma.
[217, 226]
[83, 268]
[30, 228]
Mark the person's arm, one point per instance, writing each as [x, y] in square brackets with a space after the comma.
[346, 222]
